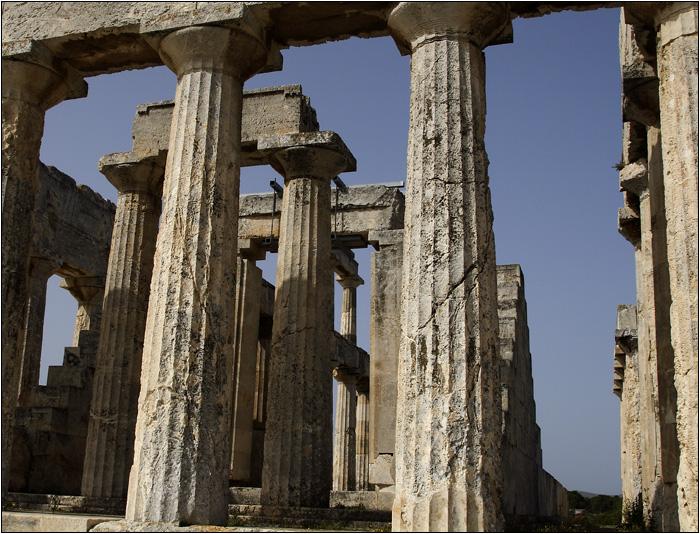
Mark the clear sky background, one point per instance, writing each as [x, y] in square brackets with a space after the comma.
[553, 136]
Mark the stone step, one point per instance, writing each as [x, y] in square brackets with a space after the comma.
[244, 495]
[308, 523]
[69, 504]
[48, 522]
[323, 515]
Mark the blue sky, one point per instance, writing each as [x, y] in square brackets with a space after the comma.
[553, 135]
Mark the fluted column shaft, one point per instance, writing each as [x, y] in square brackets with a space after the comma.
[28, 90]
[677, 64]
[348, 319]
[89, 292]
[110, 440]
[344, 447]
[182, 448]
[362, 437]
[40, 270]
[448, 441]
[298, 437]
[247, 317]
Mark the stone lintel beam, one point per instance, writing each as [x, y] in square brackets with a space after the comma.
[349, 356]
[282, 109]
[361, 210]
[343, 261]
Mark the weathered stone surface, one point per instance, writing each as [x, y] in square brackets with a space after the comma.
[114, 405]
[40, 270]
[38, 522]
[298, 449]
[359, 209]
[247, 317]
[344, 446]
[362, 436]
[385, 330]
[182, 449]
[273, 110]
[29, 88]
[677, 63]
[449, 279]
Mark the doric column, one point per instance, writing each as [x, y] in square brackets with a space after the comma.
[245, 350]
[182, 448]
[448, 449]
[32, 82]
[89, 292]
[344, 446]
[362, 436]
[385, 332]
[110, 440]
[298, 437]
[40, 270]
[348, 319]
[677, 65]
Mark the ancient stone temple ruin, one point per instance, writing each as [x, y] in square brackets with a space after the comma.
[195, 387]
[656, 340]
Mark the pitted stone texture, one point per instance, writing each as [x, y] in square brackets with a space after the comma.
[298, 438]
[28, 90]
[40, 270]
[448, 457]
[182, 449]
[677, 63]
[385, 332]
[344, 447]
[114, 405]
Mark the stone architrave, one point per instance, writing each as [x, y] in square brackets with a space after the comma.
[182, 448]
[362, 436]
[448, 441]
[247, 317]
[385, 332]
[40, 270]
[298, 437]
[348, 319]
[89, 292]
[345, 437]
[677, 66]
[110, 439]
[32, 82]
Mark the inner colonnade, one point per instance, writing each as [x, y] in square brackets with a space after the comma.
[199, 373]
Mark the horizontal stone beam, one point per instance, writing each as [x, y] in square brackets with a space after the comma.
[273, 110]
[101, 37]
[345, 354]
[72, 225]
[360, 210]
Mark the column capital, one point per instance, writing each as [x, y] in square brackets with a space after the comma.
[83, 288]
[350, 282]
[228, 50]
[343, 374]
[132, 172]
[32, 73]
[320, 155]
[480, 23]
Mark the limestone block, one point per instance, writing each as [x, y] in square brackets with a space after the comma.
[42, 522]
